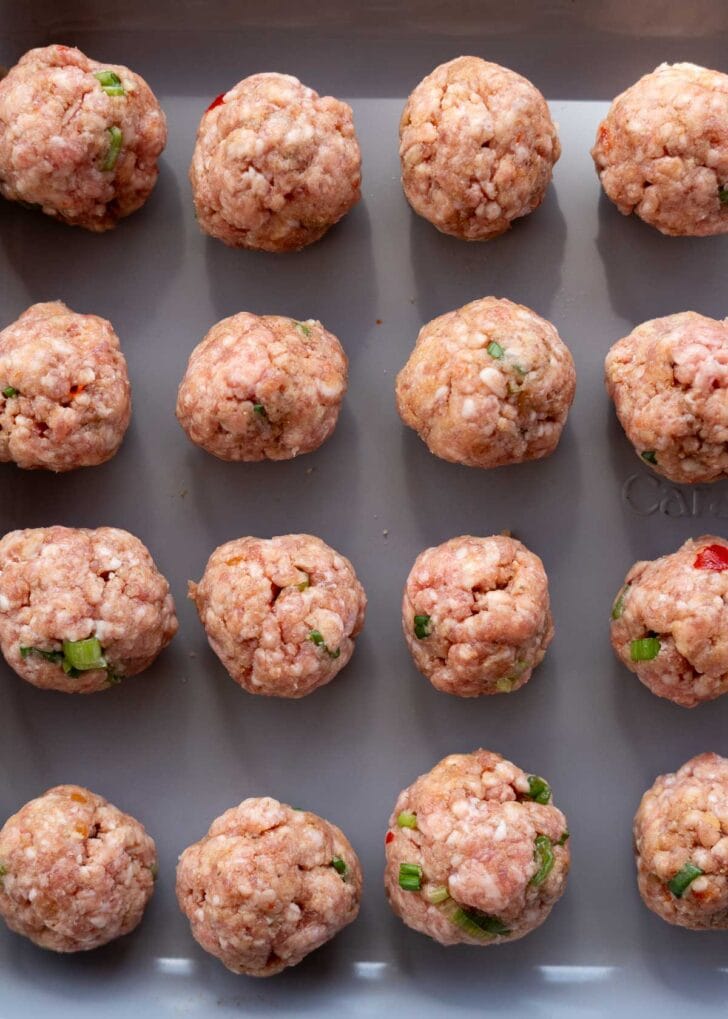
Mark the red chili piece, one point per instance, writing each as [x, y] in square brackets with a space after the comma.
[388, 838]
[217, 101]
[712, 557]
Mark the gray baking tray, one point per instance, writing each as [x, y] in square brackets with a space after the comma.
[182, 742]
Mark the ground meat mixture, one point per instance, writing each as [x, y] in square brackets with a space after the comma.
[662, 150]
[275, 164]
[280, 613]
[64, 389]
[670, 622]
[681, 845]
[669, 383]
[475, 615]
[81, 609]
[477, 147]
[263, 387]
[75, 872]
[79, 140]
[267, 885]
[476, 852]
[488, 384]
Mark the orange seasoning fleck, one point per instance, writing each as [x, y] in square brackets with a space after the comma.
[79, 798]
[76, 389]
[82, 829]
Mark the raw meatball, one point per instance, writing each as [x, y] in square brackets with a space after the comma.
[488, 384]
[476, 615]
[78, 139]
[75, 872]
[681, 845]
[81, 609]
[477, 147]
[267, 885]
[669, 383]
[670, 622]
[263, 387]
[280, 613]
[476, 853]
[662, 150]
[64, 390]
[275, 165]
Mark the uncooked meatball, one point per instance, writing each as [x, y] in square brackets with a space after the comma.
[488, 384]
[477, 148]
[662, 150]
[75, 872]
[64, 390]
[476, 852]
[670, 622]
[79, 140]
[275, 164]
[81, 609]
[476, 616]
[267, 885]
[669, 383]
[681, 845]
[263, 387]
[280, 613]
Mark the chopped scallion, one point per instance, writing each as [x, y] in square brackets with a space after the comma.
[423, 627]
[618, 607]
[260, 410]
[116, 139]
[543, 854]
[495, 350]
[723, 194]
[339, 866]
[9, 391]
[318, 639]
[410, 877]
[683, 879]
[303, 329]
[563, 839]
[437, 894]
[155, 870]
[50, 656]
[644, 649]
[504, 684]
[110, 83]
[304, 584]
[406, 819]
[477, 924]
[650, 456]
[84, 654]
[3, 871]
[538, 789]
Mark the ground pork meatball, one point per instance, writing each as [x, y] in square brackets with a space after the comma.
[476, 853]
[670, 622]
[669, 383]
[475, 615]
[275, 164]
[267, 885]
[75, 872]
[78, 139]
[263, 387]
[662, 150]
[280, 613]
[681, 845]
[488, 384]
[81, 609]
[64, 390]
[477, 148]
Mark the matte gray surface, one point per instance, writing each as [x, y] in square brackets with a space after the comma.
[181, 743]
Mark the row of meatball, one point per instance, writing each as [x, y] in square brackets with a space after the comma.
[82, 609]
[488, 384]
[476, 853]
[275, 165]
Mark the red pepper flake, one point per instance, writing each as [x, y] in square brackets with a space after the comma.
[712, 557]
[389, 837]
[217, 101]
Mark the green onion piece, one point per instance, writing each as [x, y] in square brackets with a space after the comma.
[521, 371]
[723, 194]
[303, 329]
[50, 656]
[437, 894]
[116, 139]
[260, 410]
[504, 684]
[410, 877]
[3, 871]
[477, 924]
[84, 654]
[110, 83]
[538, 789]
[618, 607]
[304, 584]
[155, 870]
[406, 819]
[495, 350]
[423, 627]
[544, 856]
[683, 879]
[113, 678]
[339, 866]
[9, 391]
[563, 839]
[650, 456]
[318, 639]
[644, 649]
